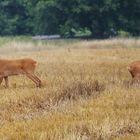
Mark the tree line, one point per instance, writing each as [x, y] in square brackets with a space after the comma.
[99, 18]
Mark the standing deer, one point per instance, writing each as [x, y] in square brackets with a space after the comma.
[134, 69]
[20, 66]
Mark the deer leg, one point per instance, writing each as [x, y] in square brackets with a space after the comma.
[6, 81]
[131, 74]
[1, 78]
[30, 76]
[39, 81]
[136, 80]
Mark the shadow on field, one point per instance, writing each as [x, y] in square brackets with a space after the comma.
[22, 87]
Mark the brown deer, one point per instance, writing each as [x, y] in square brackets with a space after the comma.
[134, 69]
[20, 66]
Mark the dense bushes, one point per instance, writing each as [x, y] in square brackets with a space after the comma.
[100, 18]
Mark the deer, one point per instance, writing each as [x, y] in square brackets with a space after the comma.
[24, 66]
[134, 69]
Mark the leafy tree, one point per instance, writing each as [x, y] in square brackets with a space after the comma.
[129, 16]
[102, 18]
[14, 17]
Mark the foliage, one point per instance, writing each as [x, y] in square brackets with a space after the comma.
[19, 17]
[124, 34]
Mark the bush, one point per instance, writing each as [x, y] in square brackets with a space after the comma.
[122, 33]
[77, 89]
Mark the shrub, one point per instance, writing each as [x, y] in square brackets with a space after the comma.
[77, 89]
[122, 33]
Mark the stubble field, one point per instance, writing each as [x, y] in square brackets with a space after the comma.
[86, 92]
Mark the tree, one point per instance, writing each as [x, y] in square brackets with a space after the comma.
[14, 18]
[129, 16]
[102, 18]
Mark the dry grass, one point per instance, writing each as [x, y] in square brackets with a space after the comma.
[86, 93]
